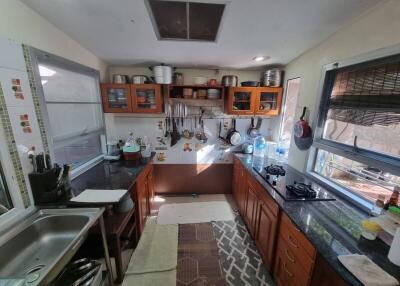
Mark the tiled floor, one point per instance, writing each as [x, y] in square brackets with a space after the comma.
[240, 259]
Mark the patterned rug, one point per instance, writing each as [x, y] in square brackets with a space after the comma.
[240, 259]
[198, 259]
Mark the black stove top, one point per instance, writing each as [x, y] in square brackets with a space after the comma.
[292, 186]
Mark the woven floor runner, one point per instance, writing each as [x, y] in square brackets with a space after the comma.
[198, 259]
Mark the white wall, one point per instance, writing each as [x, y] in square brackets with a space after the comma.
[19, 22]
[377, 28]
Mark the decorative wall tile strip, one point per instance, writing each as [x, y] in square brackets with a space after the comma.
[35, 97]
[12, 147]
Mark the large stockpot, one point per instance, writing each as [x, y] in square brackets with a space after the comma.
[272, 77]
[162, 74]
[229, 80]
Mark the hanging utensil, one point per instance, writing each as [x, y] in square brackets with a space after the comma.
[234, 137]
[204, 138]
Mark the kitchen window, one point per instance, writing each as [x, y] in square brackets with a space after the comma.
[5, 200]
[71, 106]
[292, 94]
[356, 144]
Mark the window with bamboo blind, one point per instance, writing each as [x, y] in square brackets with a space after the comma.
[357, 141]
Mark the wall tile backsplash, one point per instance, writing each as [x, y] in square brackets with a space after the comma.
[186, 151]
[18, 112]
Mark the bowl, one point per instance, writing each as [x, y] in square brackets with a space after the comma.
[250, 83]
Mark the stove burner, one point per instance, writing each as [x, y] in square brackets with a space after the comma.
[302, 190]
[275, 170]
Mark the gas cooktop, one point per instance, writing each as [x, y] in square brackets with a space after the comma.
[292, 186]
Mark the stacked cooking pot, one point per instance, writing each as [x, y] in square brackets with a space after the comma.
[272, 77]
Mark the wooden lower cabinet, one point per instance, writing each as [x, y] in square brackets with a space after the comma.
[144, 196]
[265, 234]
[239, 186]
[324, 275]
[251, 209]
[259, 211]
[295, 257]
[286, 252]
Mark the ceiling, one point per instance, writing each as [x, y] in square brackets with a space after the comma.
[121, 33]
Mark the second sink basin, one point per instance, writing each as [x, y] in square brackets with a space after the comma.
[44, 244]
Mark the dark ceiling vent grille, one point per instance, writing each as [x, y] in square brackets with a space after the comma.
[191, 21]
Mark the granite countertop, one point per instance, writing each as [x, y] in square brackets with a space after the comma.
[333, 227]
[110, 175]
[105, 175]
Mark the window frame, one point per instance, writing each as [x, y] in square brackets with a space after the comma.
[284, 101]
[39, 56]
[383, 161]
[18, 211]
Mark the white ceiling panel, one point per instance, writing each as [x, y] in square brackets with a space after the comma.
[121, 33]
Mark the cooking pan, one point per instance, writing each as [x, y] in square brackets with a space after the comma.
[234, 137]
[302, 128]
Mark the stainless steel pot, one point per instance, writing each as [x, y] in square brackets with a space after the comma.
[140, 79]
[272, 77]
[162, 74]
[229, 80]
[120, 78]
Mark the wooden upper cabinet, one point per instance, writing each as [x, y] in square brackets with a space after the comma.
[133, 98]
[254, 101]
[268, 101]
[146, 98]
[116, 98]
[240, 100]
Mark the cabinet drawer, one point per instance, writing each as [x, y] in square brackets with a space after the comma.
[297, 242]
[295, 257]
[288, 273]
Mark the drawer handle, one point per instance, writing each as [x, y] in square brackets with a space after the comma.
[291, 259]
[287, 271]
[290, 238]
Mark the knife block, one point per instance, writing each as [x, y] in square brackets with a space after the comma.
[44, 187]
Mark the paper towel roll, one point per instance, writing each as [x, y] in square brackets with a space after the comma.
[394, 252]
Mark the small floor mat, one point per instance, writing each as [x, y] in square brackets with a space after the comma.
[198, 259]
[241, 262]
[187, 213]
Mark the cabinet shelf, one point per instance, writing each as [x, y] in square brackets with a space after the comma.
[198, 102]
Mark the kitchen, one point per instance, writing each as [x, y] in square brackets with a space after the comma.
[168, 143]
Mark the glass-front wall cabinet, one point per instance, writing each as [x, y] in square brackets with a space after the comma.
[134, 98]
[254, 101]
[240, 101]
[146, 98]
[268, 101]
[116, 98]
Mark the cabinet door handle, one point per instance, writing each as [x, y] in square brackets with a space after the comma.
[290, 238]
[291, 259]
[287, 271]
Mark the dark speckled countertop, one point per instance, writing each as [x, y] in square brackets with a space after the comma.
[333, 227]
[110, 175]
[104, 176]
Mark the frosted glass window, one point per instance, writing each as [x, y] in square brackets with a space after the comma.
[74, 112]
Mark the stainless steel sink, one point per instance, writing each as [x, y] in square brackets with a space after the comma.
[41, 245]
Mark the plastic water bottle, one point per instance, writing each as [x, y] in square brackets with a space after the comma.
[259, 146]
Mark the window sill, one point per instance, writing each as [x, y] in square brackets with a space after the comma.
[87, 166]
[342, 192]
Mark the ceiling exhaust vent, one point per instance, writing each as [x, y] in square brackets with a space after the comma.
[190, 21]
